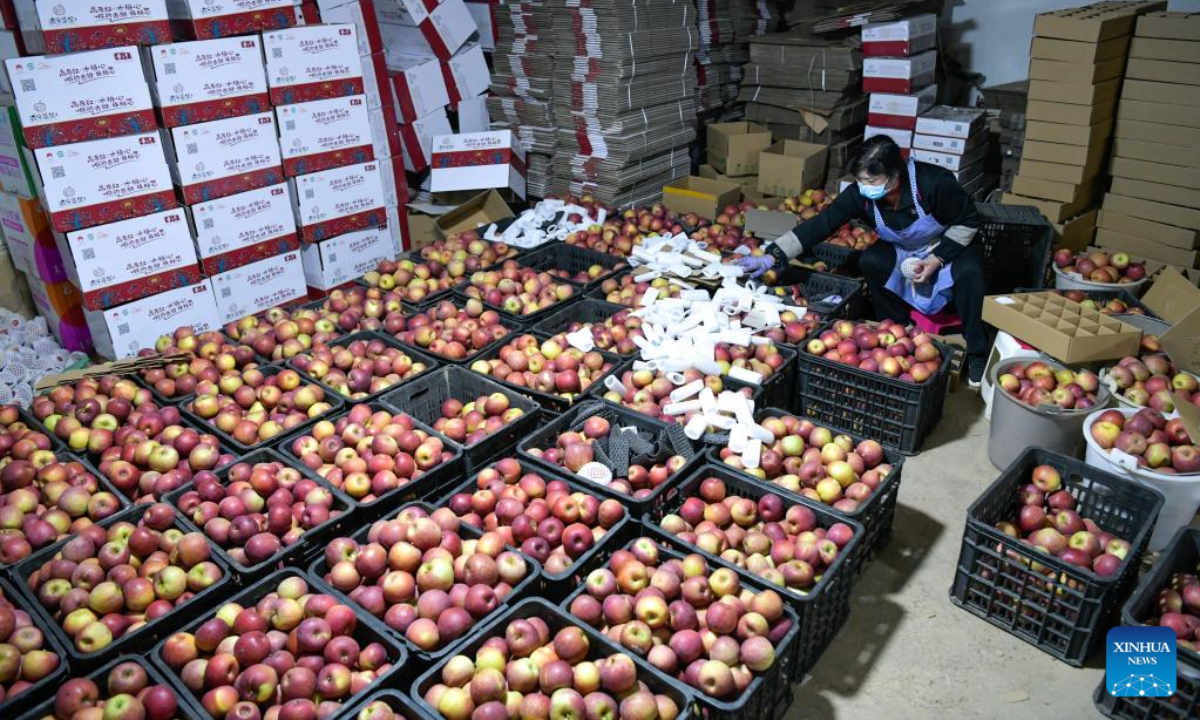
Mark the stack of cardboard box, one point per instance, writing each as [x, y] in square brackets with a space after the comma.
[1077, 61]
[899, 64]
[953, 138]
[1008, 102]
[1153, 208]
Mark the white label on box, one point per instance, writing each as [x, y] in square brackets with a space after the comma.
[242, 220]
[418, 84]
[207, 70]
[903, 105]
[468, 72]
[124, 251]
[340, 192]
[312, 54]
[324, 126]
[259, 286]
[906, 29]
[505, 166]
[81, 175]
[224, 148]
[345, 258]
[79, 87]
[903, 138]
[906, 68]
[125, 330]
[208, 9]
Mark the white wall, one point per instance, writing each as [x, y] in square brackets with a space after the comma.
[992, 37]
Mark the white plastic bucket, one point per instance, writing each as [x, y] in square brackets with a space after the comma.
[1004, 348]
[1065, 281]
[1149, 326]
[1181, 492]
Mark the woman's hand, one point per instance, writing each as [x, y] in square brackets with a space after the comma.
[755, 266]
[929, 268]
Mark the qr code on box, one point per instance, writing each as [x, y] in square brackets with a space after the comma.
[209, 224]
[226, 292]
[58, 172]
[169, 69]
[123, 329]
[192, 149]
[276, 52]
[28, 85]
[89, 253]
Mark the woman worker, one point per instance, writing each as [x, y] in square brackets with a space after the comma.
[925, 257]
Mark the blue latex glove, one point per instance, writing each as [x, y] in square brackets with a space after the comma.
[756, 266]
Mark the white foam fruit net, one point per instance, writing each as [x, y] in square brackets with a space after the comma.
[27, 352]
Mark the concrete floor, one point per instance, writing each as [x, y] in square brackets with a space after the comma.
[906, 650]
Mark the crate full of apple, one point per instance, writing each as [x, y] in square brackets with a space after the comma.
[649, 392]
[211, 354]
[557, 371]
[416, 280]
[127, 687]
[466, 252]
[628, 290]
[886, 348]
[452, 332]
[91, 407]
[1041, 384]
[613, 328]
[517, 290]
[361, 366]
[621, 233]
[255, 406]
[32, 659]
[150, 460]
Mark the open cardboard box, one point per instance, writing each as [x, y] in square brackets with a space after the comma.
[706, 198]
[453, 212]
[1176, 299]
[1061, 328]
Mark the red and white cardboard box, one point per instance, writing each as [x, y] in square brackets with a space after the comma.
[478, 161]
[903, 138]
[439, 30]
[466, 74]
[901, 38]
[208, 80]
[313, 62]
[224, 157]
[15, 175]
[481, 12]
[338, 201]
[25, 226]
[418, 85]
[324, 134]
[103, 181]
[124, 330]
[259, 286]
[899, 111]
[950, 161]
[473, 115]
[345, 258]
[385, 132]
[244, 228]
[9, 48]
[395, 182]
[417, 138]
[952, 145]
[360, 14]
[75, 26]
[72, 98]
[206, 19]
[125, 261]
[951, 122]
[899, 75]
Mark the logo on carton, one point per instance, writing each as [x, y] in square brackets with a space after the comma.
[1140, 662]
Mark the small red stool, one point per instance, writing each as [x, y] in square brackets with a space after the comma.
[940, 323]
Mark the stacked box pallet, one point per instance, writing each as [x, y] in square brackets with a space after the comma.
[899, 71]
[726, 28]
[1077, 61]
[953, 138]
[624, 97]
[1152, 209]
[1008, 101]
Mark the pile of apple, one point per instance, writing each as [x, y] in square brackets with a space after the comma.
[366, 453]
[466, 252]
[1101, 267]
[627, 290]
[147, 462]
[793, 329]
[211, 355]
[1113, 306]
[252, 407]
[25, 656]
[104, 583]
[808, 204]
[264, 508]
[572, 450]
[359, 368]
[1179, 608]
[549, 366]
[541, 674]
[293, 655]
[853, 236]
[452, 332]
[590, 274]
[692, 622]
[468, 423]
[649, 392]
[810, 460]
[1049, 522]
[416, 281]
[545, 519]
[43, 498]
[614, 334]
[127, 694]
[1039, 383]
[782, 544]
[763, 359]
[516, 289]
[1159, 444]
[726, 231]
[422, 578]
[621, 233]
[1151, 380]
[88, 406]
[884, 348]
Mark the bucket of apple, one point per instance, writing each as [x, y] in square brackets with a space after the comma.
[1154, 450]
[1099, 270]
[1150, 379]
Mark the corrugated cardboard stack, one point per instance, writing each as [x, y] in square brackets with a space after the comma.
[899, 71]
[1153, 208]
[1008, 101]
[1077, 61]
[624, 97]
[953, 138]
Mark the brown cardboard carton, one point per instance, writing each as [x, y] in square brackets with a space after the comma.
[1143, 248]
[483, 209]
[1073, 51]
[1179, 302]
[1089, 156]
[14, 291]
[1156, 172]
[1179, 51]
[1050, 190]
[707, 198]
[1057, 172]
[1069, 134]
[1066, 114]
[1075, 93]
[1156, 112]
[1054, 211]
[1154, 267]
[1170, 26]
[1157, 92]
[1178, 237]
[1155, 211]
[761, 199]
[790, 167]
[1156, 152]
[1077, 71]
[1060, 327]
[1077, 233]
[769, 224]
[1093, 23]
[422, 230]
[733, 147]
[746, 182]
[1159, 133]
[1164, 71]
[1170, 194]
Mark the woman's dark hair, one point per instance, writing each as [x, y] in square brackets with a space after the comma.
[878, 155]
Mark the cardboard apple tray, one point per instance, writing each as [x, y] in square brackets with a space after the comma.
[1061, 328]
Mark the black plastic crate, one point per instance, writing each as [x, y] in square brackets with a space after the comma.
[1015, 241]
[1065, 610]
[526, 321]
[818, 286]
[1184, 703]
[506, 321]
[400, 703]
[287, 554]
[588, 310]
[46, 687]
[134, 640]
[822, 610]
[573, 419]
[44, 706]
[428, 300]
[26, 417]
[838, 259]
[769, 694]
[897, 413]
[555, 619]
[422, 399]
[424, 658]
[430, 361]
[573, 259]
[779, 389]
[554, 584]
[877, 514]
[366, 631]
[424, 486]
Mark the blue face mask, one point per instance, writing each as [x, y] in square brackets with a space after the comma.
[872, 192]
